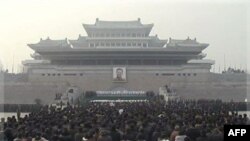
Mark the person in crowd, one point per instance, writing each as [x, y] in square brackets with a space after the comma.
[38, 137]
[79, 135]
[175, 133]
[18, 138]
[115, 135]
[182, 136]
[203, 136]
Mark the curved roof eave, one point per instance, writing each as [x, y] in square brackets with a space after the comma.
[68, 49]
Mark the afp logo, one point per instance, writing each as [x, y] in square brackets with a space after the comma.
[235, 132]
[241, 132]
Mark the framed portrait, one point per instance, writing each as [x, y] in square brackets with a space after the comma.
[119, 74]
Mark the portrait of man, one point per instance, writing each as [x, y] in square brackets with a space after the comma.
[119, 74]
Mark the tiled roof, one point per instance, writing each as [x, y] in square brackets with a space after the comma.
[49, 43]
[117, 24]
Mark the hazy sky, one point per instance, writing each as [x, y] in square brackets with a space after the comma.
[223, 24]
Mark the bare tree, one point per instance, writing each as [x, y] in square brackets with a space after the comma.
[38, 101]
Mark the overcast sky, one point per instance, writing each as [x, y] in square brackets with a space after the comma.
[224, 24]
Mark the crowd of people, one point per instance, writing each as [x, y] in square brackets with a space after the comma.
[232, 70]
[183, 120]
[20, 107]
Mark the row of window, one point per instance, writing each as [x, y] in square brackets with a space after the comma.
[178, 74]
[117, 44]
[58, 74]
[157, 74]
[117, 35]
[119, 62]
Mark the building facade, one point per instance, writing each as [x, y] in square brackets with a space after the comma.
[118, 55]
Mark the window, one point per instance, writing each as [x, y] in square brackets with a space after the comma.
[167, 74]
[123, 35]
[48, 74]
[81, 74]
[128, 35]
[96, 44]
[112, 35]
[69, 74]
[91, 45]
[157, 74]
[133, 35]
[118, 44]
[138, 35]
[102, 44]
[53, 74]
[58, 74]
[134, 62]
[129, 44]
[119, 62]
[112, 44]
[134, 44]
[184, 74]
[43, 74]
[179, 74]
[188, 74]
[107, 44]
[195, 74]
[102, 35]
[123, 44]
[139, 44]
[107, 35]
[144, 45]
[149, 62]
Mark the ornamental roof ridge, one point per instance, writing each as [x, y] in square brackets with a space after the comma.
[80, 38]
[156, 38]
[188, 41]
[107, 23]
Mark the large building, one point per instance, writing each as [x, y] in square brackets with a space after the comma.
[118, 55]
[120, 58]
